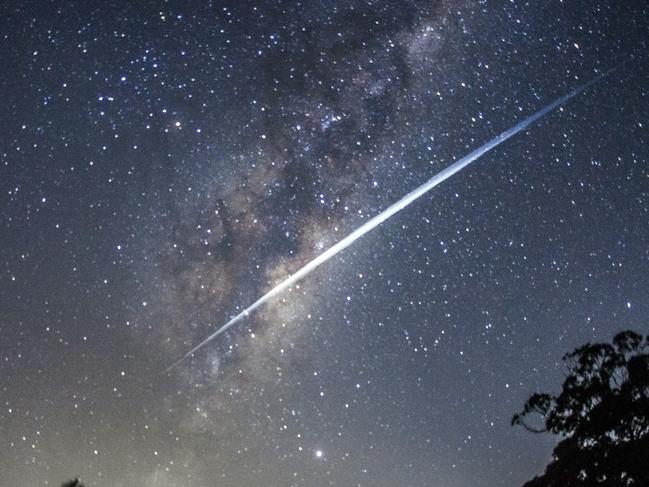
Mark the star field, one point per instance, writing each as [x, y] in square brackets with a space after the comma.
[164, 164]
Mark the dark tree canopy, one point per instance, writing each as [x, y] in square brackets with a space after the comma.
[72, 483]
[602, 413]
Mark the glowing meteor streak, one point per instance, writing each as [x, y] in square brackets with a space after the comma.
[388, 212]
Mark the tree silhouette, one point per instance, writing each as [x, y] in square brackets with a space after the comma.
[72, 483]
[602, 413]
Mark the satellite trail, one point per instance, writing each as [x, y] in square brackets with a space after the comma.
[389, 212]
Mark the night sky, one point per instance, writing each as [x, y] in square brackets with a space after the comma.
[164, 164]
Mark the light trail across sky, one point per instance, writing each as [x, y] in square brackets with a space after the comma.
[391, 210]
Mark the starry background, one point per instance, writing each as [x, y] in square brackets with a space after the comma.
[164, 164]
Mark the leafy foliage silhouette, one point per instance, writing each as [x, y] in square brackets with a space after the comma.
[72, 483]
[602, 413]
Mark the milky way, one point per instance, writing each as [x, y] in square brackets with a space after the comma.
[164, 164]
[375, 221]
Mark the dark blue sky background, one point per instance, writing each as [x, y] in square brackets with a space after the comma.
[163, 164]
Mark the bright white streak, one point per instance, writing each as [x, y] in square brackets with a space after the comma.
[374, 222]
